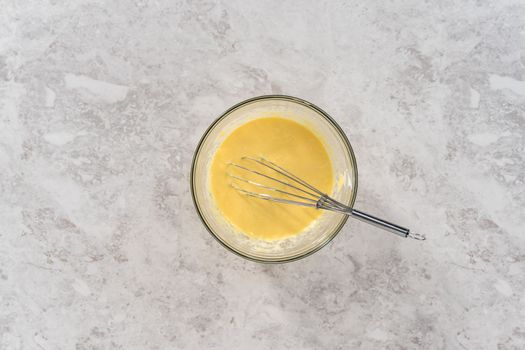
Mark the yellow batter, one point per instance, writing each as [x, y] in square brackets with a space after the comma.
[286, 143]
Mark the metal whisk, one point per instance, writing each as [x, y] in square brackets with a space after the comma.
[293, 190]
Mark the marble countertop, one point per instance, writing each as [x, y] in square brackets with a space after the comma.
[102, 104]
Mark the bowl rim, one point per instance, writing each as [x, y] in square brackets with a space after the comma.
[224, 115]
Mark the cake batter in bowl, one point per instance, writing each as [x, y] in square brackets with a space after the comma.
[302, 136]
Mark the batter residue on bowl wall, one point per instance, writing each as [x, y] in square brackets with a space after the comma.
[287, 143]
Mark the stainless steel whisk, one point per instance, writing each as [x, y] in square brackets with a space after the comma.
[306, 195]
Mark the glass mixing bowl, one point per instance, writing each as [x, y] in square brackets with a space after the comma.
[319, 233]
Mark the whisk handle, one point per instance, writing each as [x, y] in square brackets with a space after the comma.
[385, 225]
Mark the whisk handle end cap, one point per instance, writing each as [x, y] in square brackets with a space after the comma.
[417, 236]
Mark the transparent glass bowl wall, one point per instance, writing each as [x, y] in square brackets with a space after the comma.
[343, 162]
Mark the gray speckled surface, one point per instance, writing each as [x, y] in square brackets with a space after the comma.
[103, 102]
